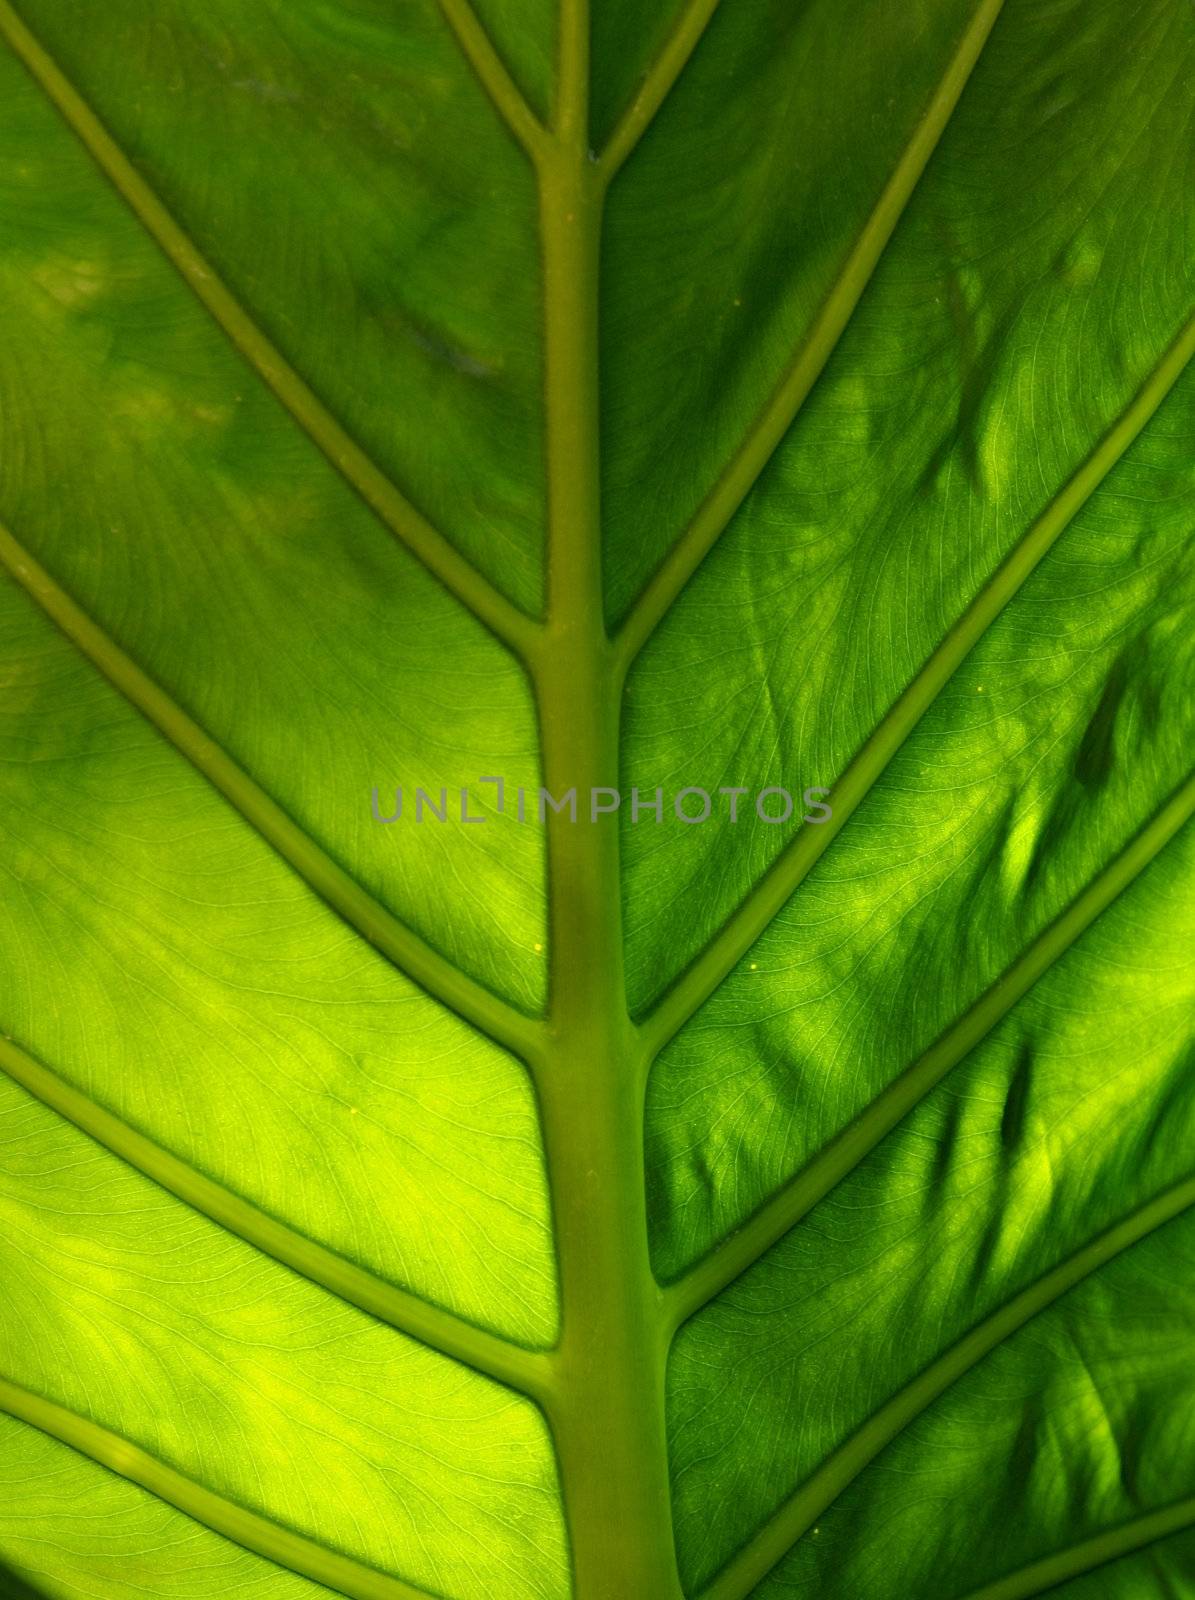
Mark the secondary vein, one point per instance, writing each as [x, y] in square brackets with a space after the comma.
[262, 1535]
[379, 927]
[809, 360]
[794, 864]
[1111, 1545]
[525, 1370]
[839, 1470]
[847, 1149]
[491, 72]
[657, 85]
[512, 626]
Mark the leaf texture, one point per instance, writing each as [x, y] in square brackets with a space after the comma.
[733, 396]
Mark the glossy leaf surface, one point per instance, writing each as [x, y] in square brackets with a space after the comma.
[733, 396]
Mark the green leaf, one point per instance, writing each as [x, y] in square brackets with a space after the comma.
[744, 396]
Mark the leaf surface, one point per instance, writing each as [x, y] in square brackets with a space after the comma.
[710, 396]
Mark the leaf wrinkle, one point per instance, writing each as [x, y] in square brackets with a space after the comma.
[770, 426]
[843, 1465]
[793, 866]
[854, 1143]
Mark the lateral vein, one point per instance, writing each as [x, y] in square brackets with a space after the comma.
[379, 927]
[811, 356]
[843, 1465]
[261, 1535]
[528, 1371]
[1073, 1562]
[512, 626]
[847, 1149]
[797, 860]
[491, 72]
[661, 78]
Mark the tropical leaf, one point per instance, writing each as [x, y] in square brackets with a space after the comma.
[754, 399]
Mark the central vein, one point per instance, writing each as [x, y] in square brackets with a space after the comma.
[608, 1411]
